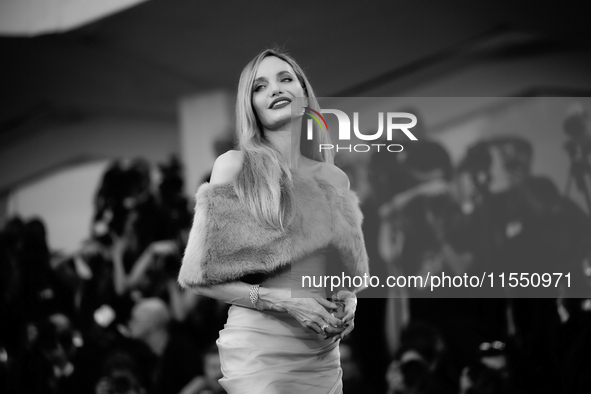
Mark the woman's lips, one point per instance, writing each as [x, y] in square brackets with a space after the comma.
[280, 103]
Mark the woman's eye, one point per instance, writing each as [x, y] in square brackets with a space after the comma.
[258, 88]
[287, 79]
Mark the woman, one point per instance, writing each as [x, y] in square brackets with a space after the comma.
[275, 209]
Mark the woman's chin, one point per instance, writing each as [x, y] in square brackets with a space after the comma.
[286, 124]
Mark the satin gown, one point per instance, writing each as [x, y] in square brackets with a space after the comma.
[272, 353]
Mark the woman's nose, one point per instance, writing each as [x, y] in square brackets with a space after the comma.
[275, 90]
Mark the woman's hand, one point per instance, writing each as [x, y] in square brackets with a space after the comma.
[311, 312]
[349, 299]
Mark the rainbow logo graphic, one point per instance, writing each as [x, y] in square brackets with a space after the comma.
[306, 109]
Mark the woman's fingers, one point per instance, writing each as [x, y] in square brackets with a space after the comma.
[322, 317]
[313, 326]
[311, 313]
[329, 318]
[330, 326]
[323, 328]
[348, 328]
[350, 300]
[343, 295]
[331, 331]
[326, 303]
[350, 307]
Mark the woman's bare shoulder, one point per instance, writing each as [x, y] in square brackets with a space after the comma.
[334, 175]
[226, 167]
[338, 176]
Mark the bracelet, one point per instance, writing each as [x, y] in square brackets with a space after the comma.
[254, 296]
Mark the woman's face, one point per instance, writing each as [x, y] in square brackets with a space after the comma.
[275, 88]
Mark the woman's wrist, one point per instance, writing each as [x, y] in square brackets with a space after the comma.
[270, 299]
[254, 297]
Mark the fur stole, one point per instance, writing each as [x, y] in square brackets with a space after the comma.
[227, 243]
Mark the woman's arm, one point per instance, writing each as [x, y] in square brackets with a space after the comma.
[344, 296]
[310, 312]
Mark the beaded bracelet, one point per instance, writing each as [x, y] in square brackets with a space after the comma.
[254, 296]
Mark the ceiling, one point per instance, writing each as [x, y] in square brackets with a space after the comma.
[141, 61]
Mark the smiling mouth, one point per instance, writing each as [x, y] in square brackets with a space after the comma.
[280, 103]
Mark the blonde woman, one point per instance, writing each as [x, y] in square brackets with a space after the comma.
[276, 209]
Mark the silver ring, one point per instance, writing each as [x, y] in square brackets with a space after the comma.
[324, 326]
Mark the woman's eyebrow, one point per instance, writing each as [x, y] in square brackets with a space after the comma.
[260, 79]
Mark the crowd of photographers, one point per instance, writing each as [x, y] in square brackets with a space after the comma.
[111, 318]
[488, 214]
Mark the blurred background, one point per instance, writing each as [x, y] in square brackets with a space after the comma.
[113, 112]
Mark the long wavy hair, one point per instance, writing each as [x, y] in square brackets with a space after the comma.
[264, 184]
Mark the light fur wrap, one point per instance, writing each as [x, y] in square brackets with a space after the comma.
[226, 242]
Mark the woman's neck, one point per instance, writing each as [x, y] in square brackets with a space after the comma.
[288, 147]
